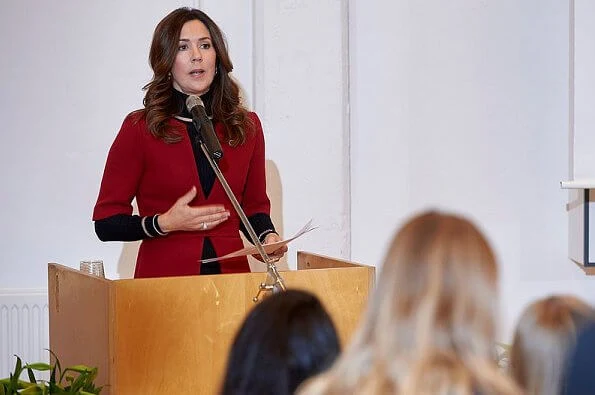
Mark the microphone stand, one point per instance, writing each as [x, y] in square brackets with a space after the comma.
[274, 283]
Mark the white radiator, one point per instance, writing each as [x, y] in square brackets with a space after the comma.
[24, 327]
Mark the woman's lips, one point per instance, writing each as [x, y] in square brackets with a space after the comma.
[197, 72]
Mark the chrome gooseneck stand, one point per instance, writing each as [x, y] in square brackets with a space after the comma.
[274, 283]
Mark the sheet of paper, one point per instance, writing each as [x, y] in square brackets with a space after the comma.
[268, 248]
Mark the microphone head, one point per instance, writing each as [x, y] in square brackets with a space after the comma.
[193, 101]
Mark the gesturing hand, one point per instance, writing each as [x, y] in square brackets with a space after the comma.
[181, 216]
[278, 253]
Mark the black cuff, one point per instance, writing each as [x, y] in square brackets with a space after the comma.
[124, 227]
[120, 227]
[262, 225]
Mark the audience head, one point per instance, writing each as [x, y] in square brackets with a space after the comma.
[579, 378]
[285, 339]
[545, 335]
[430, 326]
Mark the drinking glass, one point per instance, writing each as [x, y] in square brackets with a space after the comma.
[94, 268]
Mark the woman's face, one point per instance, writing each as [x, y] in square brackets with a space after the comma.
[194, 67]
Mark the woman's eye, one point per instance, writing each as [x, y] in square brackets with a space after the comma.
[182, 47]
[205, 46]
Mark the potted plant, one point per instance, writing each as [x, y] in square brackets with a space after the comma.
[78, 379]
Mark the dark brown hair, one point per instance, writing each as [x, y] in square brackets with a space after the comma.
[284, 340]
[159, 100]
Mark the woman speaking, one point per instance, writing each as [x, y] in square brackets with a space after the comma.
[184, 214]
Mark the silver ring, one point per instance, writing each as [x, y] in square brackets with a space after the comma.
[204, 226]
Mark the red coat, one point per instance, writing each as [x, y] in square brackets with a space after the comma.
[156, 174]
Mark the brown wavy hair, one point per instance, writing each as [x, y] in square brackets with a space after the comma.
[159, 98]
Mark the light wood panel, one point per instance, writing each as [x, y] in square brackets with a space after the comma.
[172, 335]
[182, 329]
[79, 318]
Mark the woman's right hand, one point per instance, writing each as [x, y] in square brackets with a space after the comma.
[183, 217]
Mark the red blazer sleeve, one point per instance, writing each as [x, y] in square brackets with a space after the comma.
[255, 199]
[123, 170]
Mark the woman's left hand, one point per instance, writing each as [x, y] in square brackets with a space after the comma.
[278, 253]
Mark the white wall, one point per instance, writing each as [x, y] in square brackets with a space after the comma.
[463, 106]
[583, 141]
[301, 93]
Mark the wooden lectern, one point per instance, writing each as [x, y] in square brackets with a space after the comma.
[172, 335]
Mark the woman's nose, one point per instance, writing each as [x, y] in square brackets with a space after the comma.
[196, 55]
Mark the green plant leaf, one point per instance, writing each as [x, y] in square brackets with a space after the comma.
[92, 375]
[39, 366]
[19, 366]
[55, 389]
[31, 375]
[14, 377]
[24, 384]
[80, 379]
[57, 366]
[79, 369]
[53, 375]
[78, 384]
[31, 390]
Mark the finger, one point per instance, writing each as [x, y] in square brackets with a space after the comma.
[206, 225]
[212, 224]
[187, 197]
[198, 217]
[219, 217]
[209, 210]
[279, 252]
[272, 238]
[274, 255]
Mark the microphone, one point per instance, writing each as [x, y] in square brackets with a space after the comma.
[204, 125]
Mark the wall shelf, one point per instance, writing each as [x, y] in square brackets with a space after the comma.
[578, 184]
[581, 222]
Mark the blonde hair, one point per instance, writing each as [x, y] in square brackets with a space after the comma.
[546, 332]
[430, 325]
